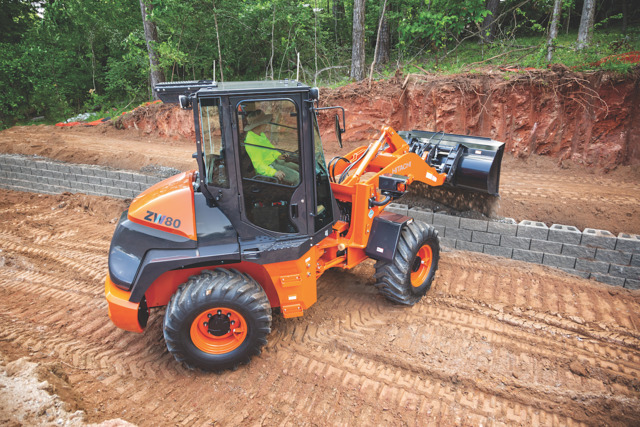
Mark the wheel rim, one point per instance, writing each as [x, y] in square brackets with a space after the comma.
[218, 330]
[421, 266]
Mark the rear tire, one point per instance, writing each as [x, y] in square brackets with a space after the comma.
[408, 277]
[217, 320]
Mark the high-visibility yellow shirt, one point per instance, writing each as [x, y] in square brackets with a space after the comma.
[261, 152]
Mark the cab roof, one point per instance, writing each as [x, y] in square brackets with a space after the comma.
[168, 92]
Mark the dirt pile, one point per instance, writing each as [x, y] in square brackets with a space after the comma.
[592, 119]
[166, 120]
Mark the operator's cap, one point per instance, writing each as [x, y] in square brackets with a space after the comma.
[257, 118]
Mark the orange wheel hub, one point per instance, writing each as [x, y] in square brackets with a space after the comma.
[421, 266]
[218, 330]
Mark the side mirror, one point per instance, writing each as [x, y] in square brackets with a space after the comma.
[184, 102]
[338, 131]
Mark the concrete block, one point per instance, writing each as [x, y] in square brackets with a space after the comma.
[392, 207]
[446, 220]
[632, 284]
[614, 257]
[100, 190]
[128, 193]
[528, 256]
[46, 174]
[75, 169]
[610, 280]
[154, 180]
[578, 251]
[142, 179]
[515, 242]
[628, 243]
[127, 176]
[93, 180]
[106, 181]
[635, 260]
[133, 185]
[457, 233]
[468, 246]
[123, 184]
[100, 172]
[583, 274]
[420, 214]
[598, 238]
[440, 229]
[473, 224]
[503, 228]
[448, 243]
[87, 170]
[485, 238]
[625, 271]
[113, 174]
[559, 261]
[498, 251]
[592, 266]
[533, 230]
[62, 168]
[546, 246]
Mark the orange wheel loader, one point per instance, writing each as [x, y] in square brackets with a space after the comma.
[250, 231]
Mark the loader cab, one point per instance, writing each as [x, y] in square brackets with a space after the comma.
[261, 162]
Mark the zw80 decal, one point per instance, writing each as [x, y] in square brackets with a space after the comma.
[167, 221]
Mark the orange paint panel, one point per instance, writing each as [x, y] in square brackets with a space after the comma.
[303, 294]
[167, 206]
[123, 313]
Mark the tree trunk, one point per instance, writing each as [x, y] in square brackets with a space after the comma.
[384, 40]
[553, 31]
[489, 23]
[625, 16]
[156, 75]
[357, 47]
[586, 23]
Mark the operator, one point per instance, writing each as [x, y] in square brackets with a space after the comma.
[266, 159]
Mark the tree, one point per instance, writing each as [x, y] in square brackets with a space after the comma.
[156, 75]
[553, 31]
[357, 48]
[586, 23]
[489, 23]
[383, 43]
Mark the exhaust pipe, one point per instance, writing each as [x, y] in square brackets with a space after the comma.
[470, 162]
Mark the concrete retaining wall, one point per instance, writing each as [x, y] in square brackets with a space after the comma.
[45, 176]
[590, 253]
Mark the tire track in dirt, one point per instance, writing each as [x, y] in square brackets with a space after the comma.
[492, 343]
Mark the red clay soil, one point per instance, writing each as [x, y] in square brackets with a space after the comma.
[494, 342]
[591, 119]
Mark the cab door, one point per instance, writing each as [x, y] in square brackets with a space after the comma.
[270, 172]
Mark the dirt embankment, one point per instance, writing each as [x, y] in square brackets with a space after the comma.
[592, 119]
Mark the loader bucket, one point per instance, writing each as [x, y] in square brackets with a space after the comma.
[470, 162]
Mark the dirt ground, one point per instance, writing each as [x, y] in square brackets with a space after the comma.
[534, 188]
[494, 342]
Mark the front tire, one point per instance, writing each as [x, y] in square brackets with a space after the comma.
[408, 276]
[217, 320]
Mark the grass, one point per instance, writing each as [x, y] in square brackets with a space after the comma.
[525, 52]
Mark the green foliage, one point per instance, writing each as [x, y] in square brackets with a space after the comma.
[72, 56]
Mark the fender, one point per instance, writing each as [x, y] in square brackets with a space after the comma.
[385, 232]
